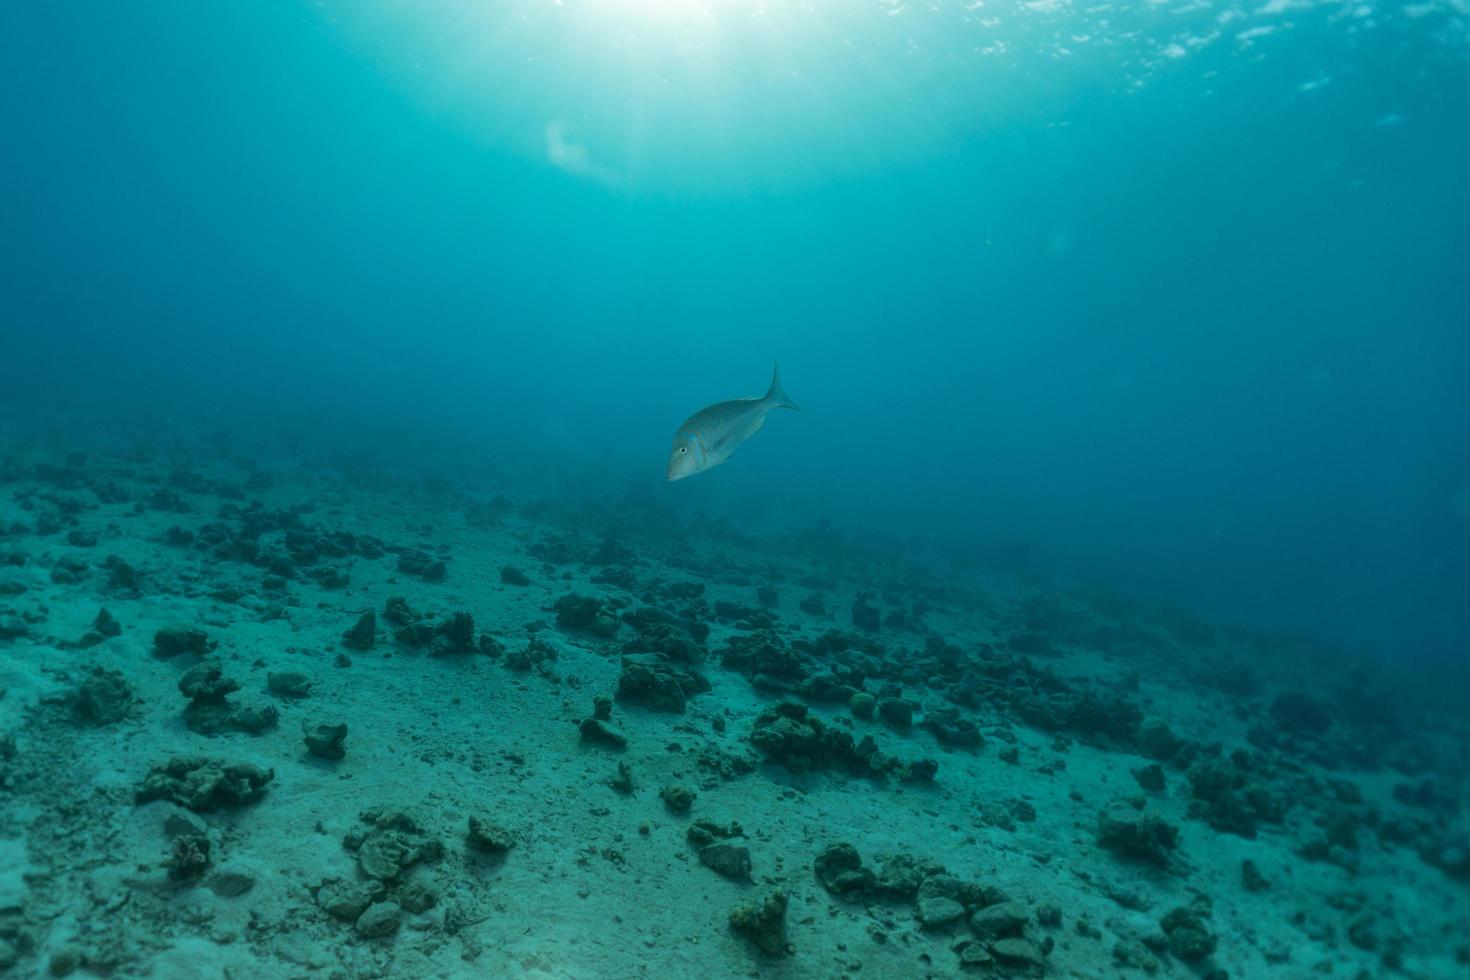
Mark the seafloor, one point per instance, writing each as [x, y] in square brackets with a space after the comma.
[316, 716]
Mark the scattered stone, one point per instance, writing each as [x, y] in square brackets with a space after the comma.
[998, 921]
[363, 634]
[651, 680]
[840, 870]
[417, 897]
[1156, 739]
[678, 798]
[288, 684]
[725, 858]
[1018, 954]
[106, 625]
[204, 785]
[346, 900]
[936, 911]
[1189, 939]
[393, 843]
[230, 884]
[326, 741]
[105, 697]
[1131, 833]
[176, 640]
[1150, 777]
[599, 731]
[487, 837]
[763, 924]
[378, 920]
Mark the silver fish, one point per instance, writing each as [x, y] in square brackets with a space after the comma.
[711, 436]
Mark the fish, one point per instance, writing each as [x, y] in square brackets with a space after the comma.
[711, 435]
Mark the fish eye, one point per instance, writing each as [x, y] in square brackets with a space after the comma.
[683, 449]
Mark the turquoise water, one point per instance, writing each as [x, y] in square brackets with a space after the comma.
[1172, 292]
[1166, 300]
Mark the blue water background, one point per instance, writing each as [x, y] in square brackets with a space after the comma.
[1170, 296]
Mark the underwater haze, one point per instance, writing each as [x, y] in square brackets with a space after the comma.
[1132, 345]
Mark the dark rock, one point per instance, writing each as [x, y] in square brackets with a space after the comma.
[1156, 739]
[230, 884]
[1251, 877]
[840, 870]
[651, 680]
[205, 683]
[106, 625]
[105, 697]
[326, 741]
[950, 728]
[456, 635]
[863, 705]
[937, 911]
[1031, 642]
[897, 712]
[588, 613]
[597, 730]
[488, 837]
[725, 858]
[511, 575]
[378, 920]
[678, 798]
[346, 900]
[363, 633]
[763, 923]
[422, 566]
[288, 684]
[417, 897]
[189, 858]
[1018, 954]
[1150, 777]
[1189, 939]
[176, 640]
[204, 785]
[1131, 833]
[1001, 920]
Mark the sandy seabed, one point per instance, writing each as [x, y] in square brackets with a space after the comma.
[592, 740]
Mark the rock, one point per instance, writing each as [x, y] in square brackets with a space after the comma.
[106, 625]
[1189, 939]
[1134, 834]
[651, 680]
[730, 860]
[204, 785]
[456, 635]
[863, 705]
[622, 782]
[105, 697]
[1251, 877]
[65, 961]
[417, 897]
[1018, 954]
[1150, 777]
[176, 640]
[346, 900]
[189, 858]
[325, 741]
[487, 837]
[936, 911]
[205, 682]
[897, 712]
[378, 920]
[763, 924]
[288, 684]
[511, 575]
[230, 884]
[678, 798]
[363, 634]
[423, 566]
[1156, 739]
[998, 921]
[596, 730]
[840, 870]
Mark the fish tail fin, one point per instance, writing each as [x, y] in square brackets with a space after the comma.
[777, 395]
